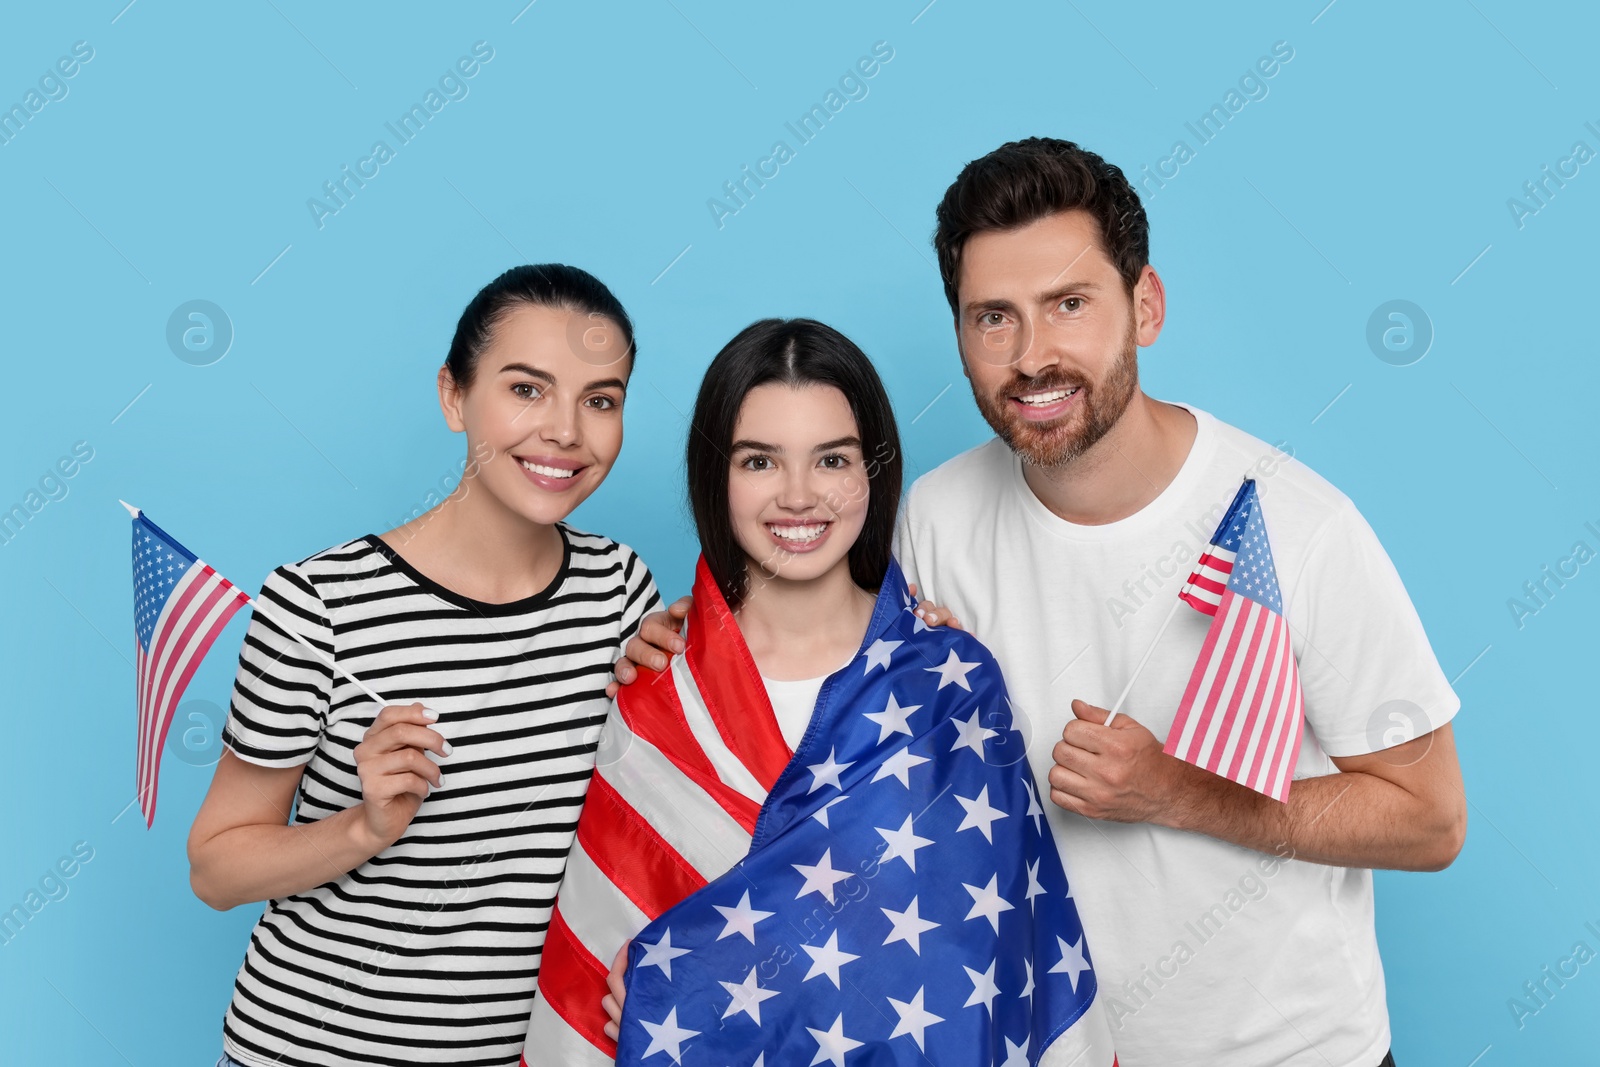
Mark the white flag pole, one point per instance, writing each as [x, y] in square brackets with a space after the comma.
[278, 621]
[1140, 668]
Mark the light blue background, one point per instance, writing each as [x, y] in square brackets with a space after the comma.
[178, 167]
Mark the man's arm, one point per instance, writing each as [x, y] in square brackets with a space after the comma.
[1401, 808]
[659, 638]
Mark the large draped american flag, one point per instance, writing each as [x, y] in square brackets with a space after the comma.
[889, 893]
[180, 605]
[1242, 711]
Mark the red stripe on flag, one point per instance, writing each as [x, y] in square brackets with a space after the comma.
[1292, 750]
[156, 668]
[1279, 680]
[1255, 620]
[1229, 623]
[576, 997]
[1262, 704]
[1282, 753]
[652, 711]
[177, 694]
[1186, 705]
[1223, 565]
[631, 854]
[731, 684]
[181, 653]
[1203, 606]
[1210, 585]
[173, 647]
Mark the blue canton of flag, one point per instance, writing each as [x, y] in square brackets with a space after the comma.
[1253, 574]
[902, 901]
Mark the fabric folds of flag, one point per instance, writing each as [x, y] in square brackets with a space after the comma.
[889, 893]
[1242, 710]
[180, 605]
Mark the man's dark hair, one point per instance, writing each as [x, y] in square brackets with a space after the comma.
[1024, 181]
[793, 352]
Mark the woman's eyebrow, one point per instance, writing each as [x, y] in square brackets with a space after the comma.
[838, 442]
[530, 371]
[755, 446]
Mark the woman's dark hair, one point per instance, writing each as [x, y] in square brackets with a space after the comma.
[1025, 181]
[791, 352]
[552, 285]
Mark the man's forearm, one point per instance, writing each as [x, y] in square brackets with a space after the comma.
[1346, 819]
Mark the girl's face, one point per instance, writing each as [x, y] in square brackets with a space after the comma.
[543, 415]
[797, 484]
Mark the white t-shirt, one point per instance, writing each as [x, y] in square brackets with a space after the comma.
[793, 703]
[1203, 948]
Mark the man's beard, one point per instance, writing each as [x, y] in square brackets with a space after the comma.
[1095, 410]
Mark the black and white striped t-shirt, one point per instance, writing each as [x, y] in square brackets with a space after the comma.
[428, 952]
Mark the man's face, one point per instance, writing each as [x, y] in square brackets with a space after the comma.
[1047, 335]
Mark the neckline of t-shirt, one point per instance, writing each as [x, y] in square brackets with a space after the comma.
[481, 607]
[795, 683]
[818, 680]
[1201, 452]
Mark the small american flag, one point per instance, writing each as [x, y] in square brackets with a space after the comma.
[1241, 713]
[179, 607]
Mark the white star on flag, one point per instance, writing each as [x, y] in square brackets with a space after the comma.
[1073, 963]
[879, 652]
[908, 926]
[971, 734]
[983, 988]
[826, 773]
[747, 997]
[827, 959]
[898, 765]
[987, 903]
[903, 844]
[1027, 987]
[892, 719]
[1034, 887]
[832, 1044]
[1016, 1055]
[979, 814]
[667, 1036]
[742, 919]
[821, 814]
[820, 877]
[914, 1019]
[953, 670]
[661, 954]
[1034, 812]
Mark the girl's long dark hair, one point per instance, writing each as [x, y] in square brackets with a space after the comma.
[791, 352]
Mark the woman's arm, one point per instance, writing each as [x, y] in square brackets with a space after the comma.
[242, 848]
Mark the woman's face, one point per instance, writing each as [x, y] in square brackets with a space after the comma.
[797, 484]
[543, 414]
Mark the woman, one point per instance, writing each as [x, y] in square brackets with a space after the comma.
[811, 834]
[408, 896]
